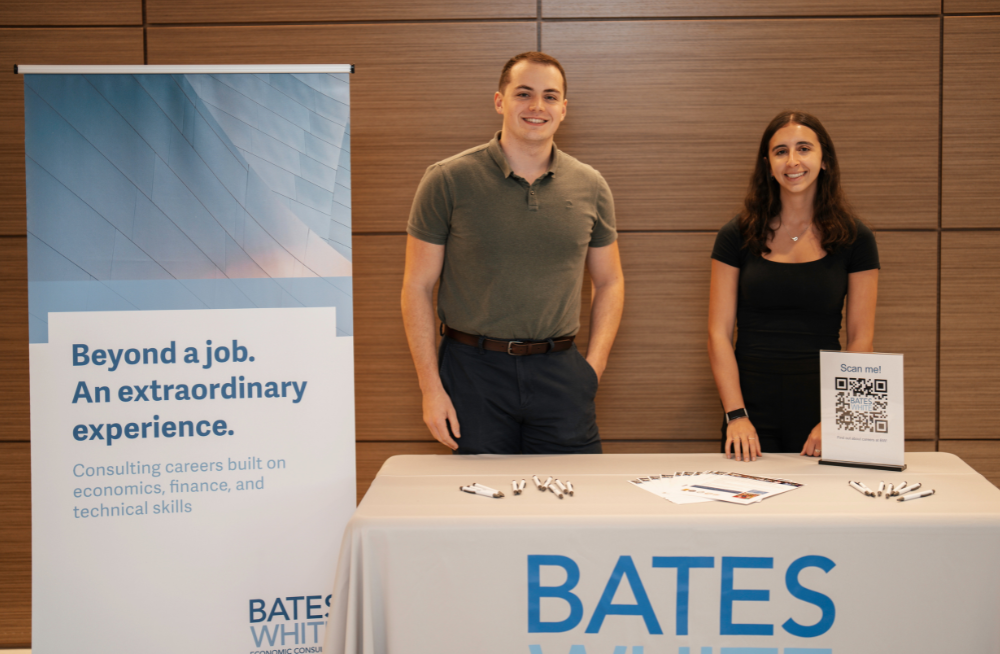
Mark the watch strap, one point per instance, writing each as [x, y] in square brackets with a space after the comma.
[736, 414]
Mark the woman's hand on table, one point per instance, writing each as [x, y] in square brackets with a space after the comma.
[742, 441]
[814, 444]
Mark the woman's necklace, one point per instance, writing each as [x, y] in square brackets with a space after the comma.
[796, 238]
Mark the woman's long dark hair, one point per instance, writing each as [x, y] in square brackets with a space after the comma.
[832, 214]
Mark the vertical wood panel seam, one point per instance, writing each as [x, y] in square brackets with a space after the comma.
[940, 236]
[145, 38]
[538, 19]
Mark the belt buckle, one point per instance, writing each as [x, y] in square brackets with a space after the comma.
[511, 344]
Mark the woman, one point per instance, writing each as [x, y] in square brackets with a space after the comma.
[780, 272]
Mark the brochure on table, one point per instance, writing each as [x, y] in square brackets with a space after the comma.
[691, 487]
[861, 395]
[668, 486]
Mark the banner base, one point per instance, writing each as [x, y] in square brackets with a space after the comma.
[870, 466]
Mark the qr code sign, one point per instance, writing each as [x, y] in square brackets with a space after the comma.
[862, 404]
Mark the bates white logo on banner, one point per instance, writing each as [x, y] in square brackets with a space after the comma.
[861, 396]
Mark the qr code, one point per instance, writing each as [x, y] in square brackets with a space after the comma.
[862, 404]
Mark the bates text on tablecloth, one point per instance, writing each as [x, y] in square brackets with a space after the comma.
[689, 575]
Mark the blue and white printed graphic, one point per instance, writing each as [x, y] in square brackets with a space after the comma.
[192, 365]
[187, 192]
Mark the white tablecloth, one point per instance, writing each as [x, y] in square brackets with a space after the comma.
[822, 569]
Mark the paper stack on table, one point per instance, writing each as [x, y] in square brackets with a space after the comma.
[669, 487]
[691, 487]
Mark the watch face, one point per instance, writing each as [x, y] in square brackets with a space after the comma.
[738, 413]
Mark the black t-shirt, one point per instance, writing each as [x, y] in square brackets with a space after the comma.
[791, 310]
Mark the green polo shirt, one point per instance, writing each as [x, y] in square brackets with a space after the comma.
[514, 253]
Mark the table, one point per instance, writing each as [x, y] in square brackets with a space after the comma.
[823, 569]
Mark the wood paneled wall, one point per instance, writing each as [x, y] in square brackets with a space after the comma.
[667, 100]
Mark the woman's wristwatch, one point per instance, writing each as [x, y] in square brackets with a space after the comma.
[736, 415]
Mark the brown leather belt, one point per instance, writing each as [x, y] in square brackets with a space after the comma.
[513, 348]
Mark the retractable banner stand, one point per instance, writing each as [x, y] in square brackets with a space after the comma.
[192, 398]
[861, 398]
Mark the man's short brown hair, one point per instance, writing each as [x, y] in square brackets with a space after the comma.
[534, 57]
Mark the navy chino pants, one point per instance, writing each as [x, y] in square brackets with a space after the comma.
[536, 404]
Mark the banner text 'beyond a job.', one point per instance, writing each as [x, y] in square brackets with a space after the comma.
[233, 388]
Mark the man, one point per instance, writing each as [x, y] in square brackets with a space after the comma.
[508, 227]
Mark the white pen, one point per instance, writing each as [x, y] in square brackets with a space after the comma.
[484, 487]
[547, 482]
[561, 485]
[899, 487]
[569, 487]
[866, 489]
[888, 490]
[910, 489]
[916, 496]
[476, 490]
[514, 487]
[521, 488]
[881, 487]
[538, 484]
[556, 491]
[856, 486]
